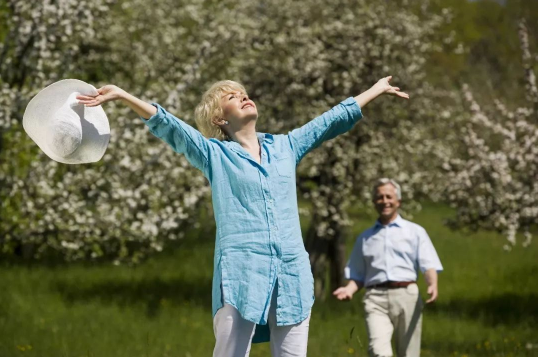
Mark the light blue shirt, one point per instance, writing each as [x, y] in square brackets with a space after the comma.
[394, 252]
[259, 241]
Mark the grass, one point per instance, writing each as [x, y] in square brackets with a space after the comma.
[488, 304]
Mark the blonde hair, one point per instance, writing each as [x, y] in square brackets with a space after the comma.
[209, 108]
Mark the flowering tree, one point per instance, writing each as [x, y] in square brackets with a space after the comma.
[296, 60]
[493, 183]
[307, 58]
[140, 193]
[40, 43]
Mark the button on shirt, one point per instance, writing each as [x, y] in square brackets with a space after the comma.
[259, 240]
[394, 252]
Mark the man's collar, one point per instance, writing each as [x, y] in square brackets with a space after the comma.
[398, 222]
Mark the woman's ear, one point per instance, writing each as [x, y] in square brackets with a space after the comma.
[219, 121]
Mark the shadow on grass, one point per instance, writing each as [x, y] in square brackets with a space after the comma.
[154, 294]
[505, 309]
[475, 348]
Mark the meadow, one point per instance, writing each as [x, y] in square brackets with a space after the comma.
[488, 302]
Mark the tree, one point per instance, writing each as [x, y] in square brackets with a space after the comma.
[305, 59]
[296, 60]
[493, 182]
[39, 44]
[140, 194]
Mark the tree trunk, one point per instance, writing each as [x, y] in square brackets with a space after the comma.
[326, 236]
[327, 259]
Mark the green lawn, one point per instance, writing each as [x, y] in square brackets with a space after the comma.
[488, 304]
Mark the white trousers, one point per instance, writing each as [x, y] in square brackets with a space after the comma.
[397, 311]
[233, 334]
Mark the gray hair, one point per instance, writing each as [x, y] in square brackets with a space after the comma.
[384, 181]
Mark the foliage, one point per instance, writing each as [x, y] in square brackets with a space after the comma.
[138, 194]
[296, 60]
[324, 57]
[295, 63]
[493, 182]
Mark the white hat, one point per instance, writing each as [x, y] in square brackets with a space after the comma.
[65, 130]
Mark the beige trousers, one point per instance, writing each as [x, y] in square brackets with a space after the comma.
[397, 311]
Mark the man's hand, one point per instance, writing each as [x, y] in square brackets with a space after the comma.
[432, 291]
[431, 279]
[346, 292]
[343, 293]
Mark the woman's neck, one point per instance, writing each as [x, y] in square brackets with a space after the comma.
[246, 137]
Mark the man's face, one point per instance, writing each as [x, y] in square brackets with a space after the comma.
[386, 201]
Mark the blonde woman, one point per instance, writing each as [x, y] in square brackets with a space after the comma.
[262, 282]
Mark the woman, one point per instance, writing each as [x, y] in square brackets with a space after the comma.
[262, 282]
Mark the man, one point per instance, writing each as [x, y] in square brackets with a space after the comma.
[385, 260]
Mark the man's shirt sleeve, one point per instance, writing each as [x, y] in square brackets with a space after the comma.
[356, 268]
[427, 255]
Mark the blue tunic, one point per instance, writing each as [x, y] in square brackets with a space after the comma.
[259, 242]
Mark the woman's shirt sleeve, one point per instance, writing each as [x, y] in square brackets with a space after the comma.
[330, 124]
[183, 138]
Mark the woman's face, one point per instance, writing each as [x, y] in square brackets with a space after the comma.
[238, 109]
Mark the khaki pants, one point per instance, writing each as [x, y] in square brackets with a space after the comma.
[393, 310]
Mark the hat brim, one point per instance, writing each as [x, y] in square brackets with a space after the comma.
[40, 112]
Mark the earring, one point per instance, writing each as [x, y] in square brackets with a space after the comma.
[226, 122]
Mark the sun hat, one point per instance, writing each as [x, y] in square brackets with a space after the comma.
[66, 131]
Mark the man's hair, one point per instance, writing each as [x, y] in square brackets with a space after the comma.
[384, 181]
[209, 108]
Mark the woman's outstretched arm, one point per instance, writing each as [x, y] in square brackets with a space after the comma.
[381, 87]
[183, 138]
[337, 120]
[111, 92]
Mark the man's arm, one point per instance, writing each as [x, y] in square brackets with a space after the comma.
[346, 292]
[431, 280]
[355, 271]
[429, 262]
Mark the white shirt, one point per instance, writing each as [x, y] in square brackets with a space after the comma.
[393, 252]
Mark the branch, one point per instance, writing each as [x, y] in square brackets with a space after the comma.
[530, 77]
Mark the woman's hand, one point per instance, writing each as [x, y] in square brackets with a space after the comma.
[110, 92]
[105, 94]
[383, 86]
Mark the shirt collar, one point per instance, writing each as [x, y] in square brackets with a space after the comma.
[268, 138]
[262, 137]
[398, 222]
